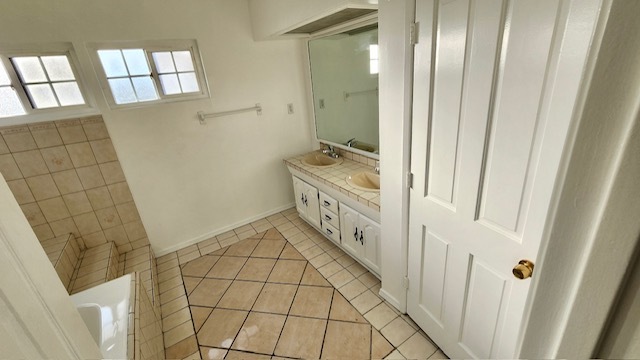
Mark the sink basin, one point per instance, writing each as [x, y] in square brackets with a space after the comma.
[320, 160]
[365, 181]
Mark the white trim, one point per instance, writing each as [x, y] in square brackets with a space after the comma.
[222, 230]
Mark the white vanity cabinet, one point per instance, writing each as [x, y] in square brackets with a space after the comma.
[360, 237]
[307, 202]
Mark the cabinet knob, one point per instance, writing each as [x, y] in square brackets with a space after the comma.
[326, 203]
[329, 232]
[355, 234]
[327, 217]
[361, 238]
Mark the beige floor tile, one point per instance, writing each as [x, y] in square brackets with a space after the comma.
[187, 250]
[341, 278]
[221, 328]
[208, 249]
[272, 234]
[269, 249]
[208, 353]
[182, 349]
[320, 260]
[178, 334]
[164, 258]
[167, 265]
[439, 355]
[290, 253]
[275, 298]
[330, 269]
[298, 238]
[343, 311]
[199, 315]
[380, 315]
[256, 269]
[208, 292]
[368, 279]
[287, 271]
[239, 355]
[417, 347]
[199, 267]
[397, 331]
[356, 269]
[190, 283]
[174, 305]
[169, 295]
[347, 341]
[312, 252]
[311, 276]
[259, 333]
[380, 347]
[170, 283]
[344, 260]
[352, 289]
[181, 316]
[365, 301]
[242, 248]
[241, 295]
[228, 241]
[395, 355]
[312, 301]
[301, 338]
[304, 245]
[183, 259]
[194, 356]
[227, 267]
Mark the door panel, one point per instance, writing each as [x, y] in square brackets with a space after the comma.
[371, 243]
[313, 205]
[298, 190]
[433, 268]
[348, 225]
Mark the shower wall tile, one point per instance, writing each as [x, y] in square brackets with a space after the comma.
[67, 178]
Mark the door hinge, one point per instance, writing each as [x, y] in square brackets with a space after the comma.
[405, 283]
[413, 33]
[410, 180]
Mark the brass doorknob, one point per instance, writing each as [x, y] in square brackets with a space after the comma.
[523, 270]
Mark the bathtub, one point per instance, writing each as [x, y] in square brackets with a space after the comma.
[105, 310]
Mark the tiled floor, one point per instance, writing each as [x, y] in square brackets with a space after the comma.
[277, 288]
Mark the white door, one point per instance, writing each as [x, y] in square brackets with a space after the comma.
[298, 190]
[484, 77]
[349, 231]
[313, 205]
[370, 243]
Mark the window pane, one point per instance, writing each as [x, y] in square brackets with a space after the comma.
[136, 62]
[189, 82]
[68, 93]
[183, 60]
[145, 88]
[4, 76]
[163, 61]
[374, 66]
[170, 84]
[29, 69]
[58, 68]
[10, 104]
[42, 96]
[112, 63]
[122, 91]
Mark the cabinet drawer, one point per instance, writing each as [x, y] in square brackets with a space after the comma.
[331, 232]
[329, 217]
[329, 203]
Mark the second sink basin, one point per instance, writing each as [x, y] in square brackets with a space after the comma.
[320, 160]
[365, 181]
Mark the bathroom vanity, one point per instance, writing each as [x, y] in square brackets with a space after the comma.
[332, 197]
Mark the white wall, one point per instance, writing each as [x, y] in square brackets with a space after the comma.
[274, 17]
[190, 181]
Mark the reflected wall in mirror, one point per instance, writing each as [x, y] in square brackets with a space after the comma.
[344, 76]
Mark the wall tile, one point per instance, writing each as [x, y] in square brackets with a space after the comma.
[18, 138]
[117, 234]
[87, 223]
[9, 168]
[45, 134]
[43, 232]
[104, 151]
[4, 149]
[90, 177]
[43, 187]
[64, 226]
[128, 212]
[31, 163]
[112, 172]
[108, 217]
[54, 209]
[100, 198]
[67, 181]
[94, 239]
[21, 191]
[120, 193]
[57, 158]
[77, 203]
[95, 129]
[81, 154]
[71, 131]
[33, 213]
[135, 230]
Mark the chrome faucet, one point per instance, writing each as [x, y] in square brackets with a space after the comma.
[329, 151]
[351, 142]
[377, 168]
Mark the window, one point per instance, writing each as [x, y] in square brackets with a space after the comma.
[32, 83]
[149, 72]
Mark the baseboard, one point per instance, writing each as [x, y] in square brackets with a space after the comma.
[392, 300]
[219, 231]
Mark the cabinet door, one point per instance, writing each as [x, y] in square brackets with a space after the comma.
[349, 230]
[298, 190]
[370, 244]
[313, 205]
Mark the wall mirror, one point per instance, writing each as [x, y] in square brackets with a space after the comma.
[344, 77]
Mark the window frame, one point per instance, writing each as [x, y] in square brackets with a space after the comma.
[33, 114]
[149, 47]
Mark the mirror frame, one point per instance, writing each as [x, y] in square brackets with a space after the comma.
[350, 25]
